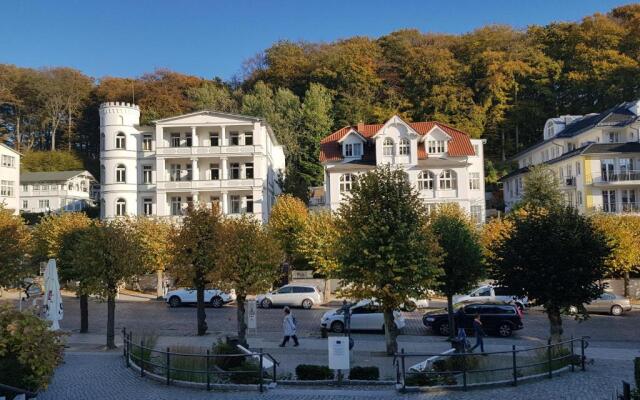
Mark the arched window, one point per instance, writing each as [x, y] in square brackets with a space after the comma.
[121, 208]
[121, 174]
[404, 149]
[387, 147]
[121, 141]
[346, 182]
[447, 180]
[425, 180]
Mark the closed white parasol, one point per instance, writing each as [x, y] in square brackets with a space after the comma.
[53, 298]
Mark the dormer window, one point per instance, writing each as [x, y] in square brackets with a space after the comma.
[404, 148]
[436, 146]
[353, 150]
[388, 147]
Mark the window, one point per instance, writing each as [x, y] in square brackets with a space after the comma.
[6, 188]
[8, 161]
[214, 139]
[436, 146]
[235, 204]
[425, 180]
[285, 290]
[578, 168]
[249, 206]
[353, 150]
[214, 170]
[121, 141]
[404, 148]
[474, 180]
[189, 172]
[447, 180]
[248, 170]
[476, 214]
[629, 200]
[121, 208]
[346, 182]
[146, 174]
[579, 198]
[147, 206]
[609, 200]
[234, 138]
[43, 203]
[248, 138]
[613, 137]
[235, 171]
[606, 169]
[188, 140]
[121, 175]
[176, 205]
[146, 143]
[215, 200]
[348, 150]
[174, 173]
[175, 140]
[387, 147]
[25, 204]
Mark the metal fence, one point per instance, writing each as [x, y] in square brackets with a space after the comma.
[467, 369]
[193, 367]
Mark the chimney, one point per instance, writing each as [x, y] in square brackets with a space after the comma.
[360, 127]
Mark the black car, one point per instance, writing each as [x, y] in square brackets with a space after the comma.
[497, 319]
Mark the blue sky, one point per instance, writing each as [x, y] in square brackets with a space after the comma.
[213, 38]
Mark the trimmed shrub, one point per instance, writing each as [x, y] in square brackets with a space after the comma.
[226, 363]
[309, 372]
[250, 373]
[364, 373]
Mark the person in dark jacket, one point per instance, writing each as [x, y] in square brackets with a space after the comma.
[479, 332]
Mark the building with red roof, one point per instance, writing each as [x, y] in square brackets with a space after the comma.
[444, 163]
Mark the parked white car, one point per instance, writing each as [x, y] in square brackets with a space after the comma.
[365, 315]
[294, 295]
[216, 298]
[490, 294]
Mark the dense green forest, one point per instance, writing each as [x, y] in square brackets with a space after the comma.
[496, 82]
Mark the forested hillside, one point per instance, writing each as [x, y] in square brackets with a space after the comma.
[496, 82]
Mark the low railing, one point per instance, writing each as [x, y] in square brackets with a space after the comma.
[161, 364]
[621, 176]
[617, 208]
[463, 370]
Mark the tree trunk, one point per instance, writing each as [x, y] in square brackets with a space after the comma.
[390, 333]
[240, 314]
[202, 316]
[111, 321]
[555, 323]
[626, 283]
[159, 284]
[84, 313]
[452, 325]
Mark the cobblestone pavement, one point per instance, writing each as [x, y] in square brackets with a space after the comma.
[102, 376]
[155, 316]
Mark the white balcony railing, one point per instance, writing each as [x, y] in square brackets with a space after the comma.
[209, 150]
[620, 176]
[618, 208]
[209, 184]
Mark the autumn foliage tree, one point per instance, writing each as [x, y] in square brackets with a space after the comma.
[157, 247]
[15, 245]
[286, 224]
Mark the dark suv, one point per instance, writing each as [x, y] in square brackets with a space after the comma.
[497, 319]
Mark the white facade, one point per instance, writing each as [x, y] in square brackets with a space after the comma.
[200, 157]
[595, 157]
[9, 178]
[444, 164]
[55, 191]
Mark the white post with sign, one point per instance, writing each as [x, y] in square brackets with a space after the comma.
[339, 354]
[251, 312]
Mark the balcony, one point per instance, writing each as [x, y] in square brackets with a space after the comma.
[617, 178]
[618, 208]
[209, 150]
[571, 181]
[210, 184]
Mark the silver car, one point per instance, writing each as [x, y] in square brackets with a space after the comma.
[607, 303]
[305, 296]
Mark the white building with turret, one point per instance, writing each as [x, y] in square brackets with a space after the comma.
[201, 157]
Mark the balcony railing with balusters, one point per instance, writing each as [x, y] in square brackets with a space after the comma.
[618, 208]
[619, 176]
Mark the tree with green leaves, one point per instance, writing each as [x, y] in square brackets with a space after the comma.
[249, 262]
[541, 188]
[197, 246]
[386, 250]
[286, 223]
[108, 254]
[555, 257]
[157, 248]
[48, 161]
[15, 246]
[462, 260]
[49, 237]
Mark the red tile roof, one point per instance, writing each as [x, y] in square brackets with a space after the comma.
[458, 146]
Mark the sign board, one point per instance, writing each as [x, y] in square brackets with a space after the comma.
[339, 352]
[301, 274]
[252, 314]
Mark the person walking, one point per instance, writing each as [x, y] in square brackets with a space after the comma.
[289, 328]
[477, 329]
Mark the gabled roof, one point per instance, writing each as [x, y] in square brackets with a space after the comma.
[459, 145]
[11, 148]
[619, 115]
[55, 176]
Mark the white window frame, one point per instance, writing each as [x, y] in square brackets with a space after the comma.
[235, 204]
[475, 211]
[147, 142]
[426, 180]
[249, 136]
[121, 141]
[214, 139]
[121, 207]
[447, 180]
[214, 168]
[436, 146]
[346, 182]
[121, 174]
[8, 161]
[147, 174]
[404, 148]
[147, 206]
[474, 180]
[388, 147]
[249, 172]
